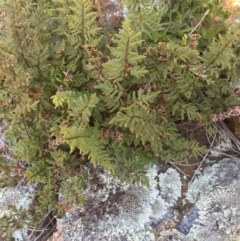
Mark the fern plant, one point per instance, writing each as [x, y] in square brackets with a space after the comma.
[70, 99]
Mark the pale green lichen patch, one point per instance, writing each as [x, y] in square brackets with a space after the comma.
[216, 196]
[117, 211]
[170, 186]
[131, 212]
[172, 235]
[14, 202]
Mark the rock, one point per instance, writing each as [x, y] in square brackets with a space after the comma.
[137, 213]
[13, 202]
[131, 212]
[216, 196]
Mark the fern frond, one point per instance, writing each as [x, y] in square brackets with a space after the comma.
[86, 141]
[141, 122]
[189, 111]
[60, 157]
[181, 149]
[112, 91]
[82, 107]
[27, 106]
[126, 58]
[148, 26]
[82, 23]
[141, 98]
[64, 97]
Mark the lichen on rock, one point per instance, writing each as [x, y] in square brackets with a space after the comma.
[117, 211]
[172, 235]
[170, 186]
[216, 195]
[13, 203]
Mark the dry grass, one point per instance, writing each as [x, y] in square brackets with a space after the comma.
[5, 149]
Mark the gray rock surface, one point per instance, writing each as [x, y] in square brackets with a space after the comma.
[151, 214]
[13, 201]
[216, 195]
[133, 214]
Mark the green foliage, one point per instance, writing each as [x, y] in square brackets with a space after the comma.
[71, 99]
[71, 189]
[10, 223]
[14, 203]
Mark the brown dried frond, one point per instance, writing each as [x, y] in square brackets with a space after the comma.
[149, 87]
[18, 170]
[163, 56]
[54, 143]
[232, 6]
[110, 134]
[92, 51]
[146, 147]
[105, 133]
[117, 136]
[194, 39]
[111, 12]
[68, 76]
[162, 45]
[62, 88]
[222, 116]
[161, 110]
[165, 97]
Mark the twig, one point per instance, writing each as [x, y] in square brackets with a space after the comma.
[186, 165]
[205, 14]
[204, 158]
[225, 154]
[21, 181]
[39, 230]
[230, 134]
[173, 164]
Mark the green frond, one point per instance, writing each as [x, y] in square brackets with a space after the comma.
[27, 105]
[72, 187]
[135, 6]
[189, 111]
[138, 71]
[126, 58]
[185, 55]
[180, 150]
[82, 107]
[113, 91]
[82, 23]
[149, 26]
[64, 97]
[35, 173]
[86, 141]
[60, 157]
[26, 150]
[141, 98]
[141, 122]
[220, 51]
[75, 93]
